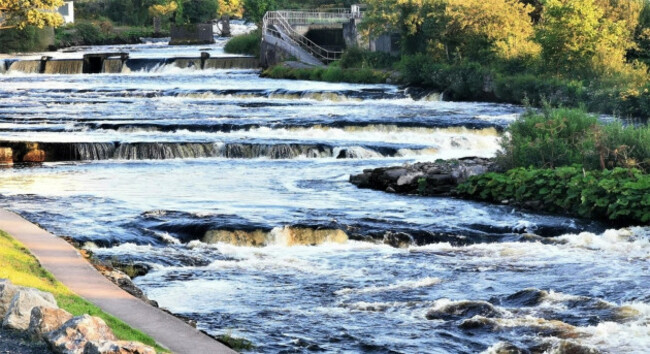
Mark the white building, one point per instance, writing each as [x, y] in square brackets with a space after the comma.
[67, 11]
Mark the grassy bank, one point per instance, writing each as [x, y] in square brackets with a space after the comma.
[19, 266]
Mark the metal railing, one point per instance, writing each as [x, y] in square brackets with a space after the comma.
[279, 24]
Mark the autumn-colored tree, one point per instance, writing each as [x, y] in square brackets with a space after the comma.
[159, 11]
[231, 8]
[579, 39]
[489, 28]
[456, 29]
[37, 13]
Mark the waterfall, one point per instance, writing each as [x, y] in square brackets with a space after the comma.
[93, 151]
[280, 236]
[185, 63]
[3, 67]
[164, 151]
[112, 66]
[26, 66]
[64, 67]
[232, 63]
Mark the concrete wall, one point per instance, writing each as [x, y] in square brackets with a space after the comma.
[192, 34]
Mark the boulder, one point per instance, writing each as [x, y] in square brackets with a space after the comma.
[36, 155]
[20, 309]
[45, 320]
[72, 336]
[117, 347]
[7, 292]
[6, 156]
[441, 177]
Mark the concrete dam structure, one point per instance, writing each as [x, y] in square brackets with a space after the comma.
[312, 37]
[117, 63]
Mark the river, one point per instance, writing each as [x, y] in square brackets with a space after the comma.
[234, 190]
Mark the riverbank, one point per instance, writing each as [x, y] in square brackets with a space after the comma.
[21, 268]
[75, 275]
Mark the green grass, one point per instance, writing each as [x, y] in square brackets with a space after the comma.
[20, 266]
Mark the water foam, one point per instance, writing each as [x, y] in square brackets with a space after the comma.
[401, 285]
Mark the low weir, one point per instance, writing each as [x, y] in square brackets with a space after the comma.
[117, 63]
[57, 152]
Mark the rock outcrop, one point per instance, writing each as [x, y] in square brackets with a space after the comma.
[7, 292]
[36, 316]
[72, 336]
[428, 178]
[20, 310]
[45, 320]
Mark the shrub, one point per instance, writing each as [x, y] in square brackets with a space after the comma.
[558, 137]
[248, 44]
[563, 137]
[620, 194]
[358, 58]
[30, 39]
[89, 33]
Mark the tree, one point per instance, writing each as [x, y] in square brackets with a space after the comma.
[197, 11]
[254, 10]
[579, 40]
[227, 9]
[22, 13]
[485, 29]
[159, 11]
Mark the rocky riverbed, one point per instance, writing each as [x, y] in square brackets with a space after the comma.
[427, 178]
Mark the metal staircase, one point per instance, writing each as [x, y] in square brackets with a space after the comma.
[278, 29]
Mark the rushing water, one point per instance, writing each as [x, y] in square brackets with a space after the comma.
[164, 162]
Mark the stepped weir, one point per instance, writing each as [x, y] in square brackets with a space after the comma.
[116, 63]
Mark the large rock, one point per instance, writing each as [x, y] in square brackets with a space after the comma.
[7, 292]
[6, 155]
[117, 347]
[438, 178]
[45, 320]
[20, 309]
[72, 337]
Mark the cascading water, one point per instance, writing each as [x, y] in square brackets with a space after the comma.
[234, 191]
[25, 66]
[64, 67]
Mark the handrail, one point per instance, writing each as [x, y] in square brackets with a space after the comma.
[287, 32]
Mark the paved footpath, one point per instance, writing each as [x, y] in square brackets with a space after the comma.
[70, 268]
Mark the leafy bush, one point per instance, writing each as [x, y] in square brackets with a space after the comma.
[563, 137]
[30, 39]
[89, 32]
[248, 44]
[620, 194]
[358, 58]
[332, 73]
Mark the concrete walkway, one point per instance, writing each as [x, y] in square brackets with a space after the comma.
[69, 267]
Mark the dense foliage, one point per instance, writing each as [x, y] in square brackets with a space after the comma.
[620, 194]
[37, 13]
[248, 44]
[562, 137]
[98, 33]
[330, 74]
[565, 52]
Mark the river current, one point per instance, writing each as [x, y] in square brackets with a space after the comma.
[171, 162]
